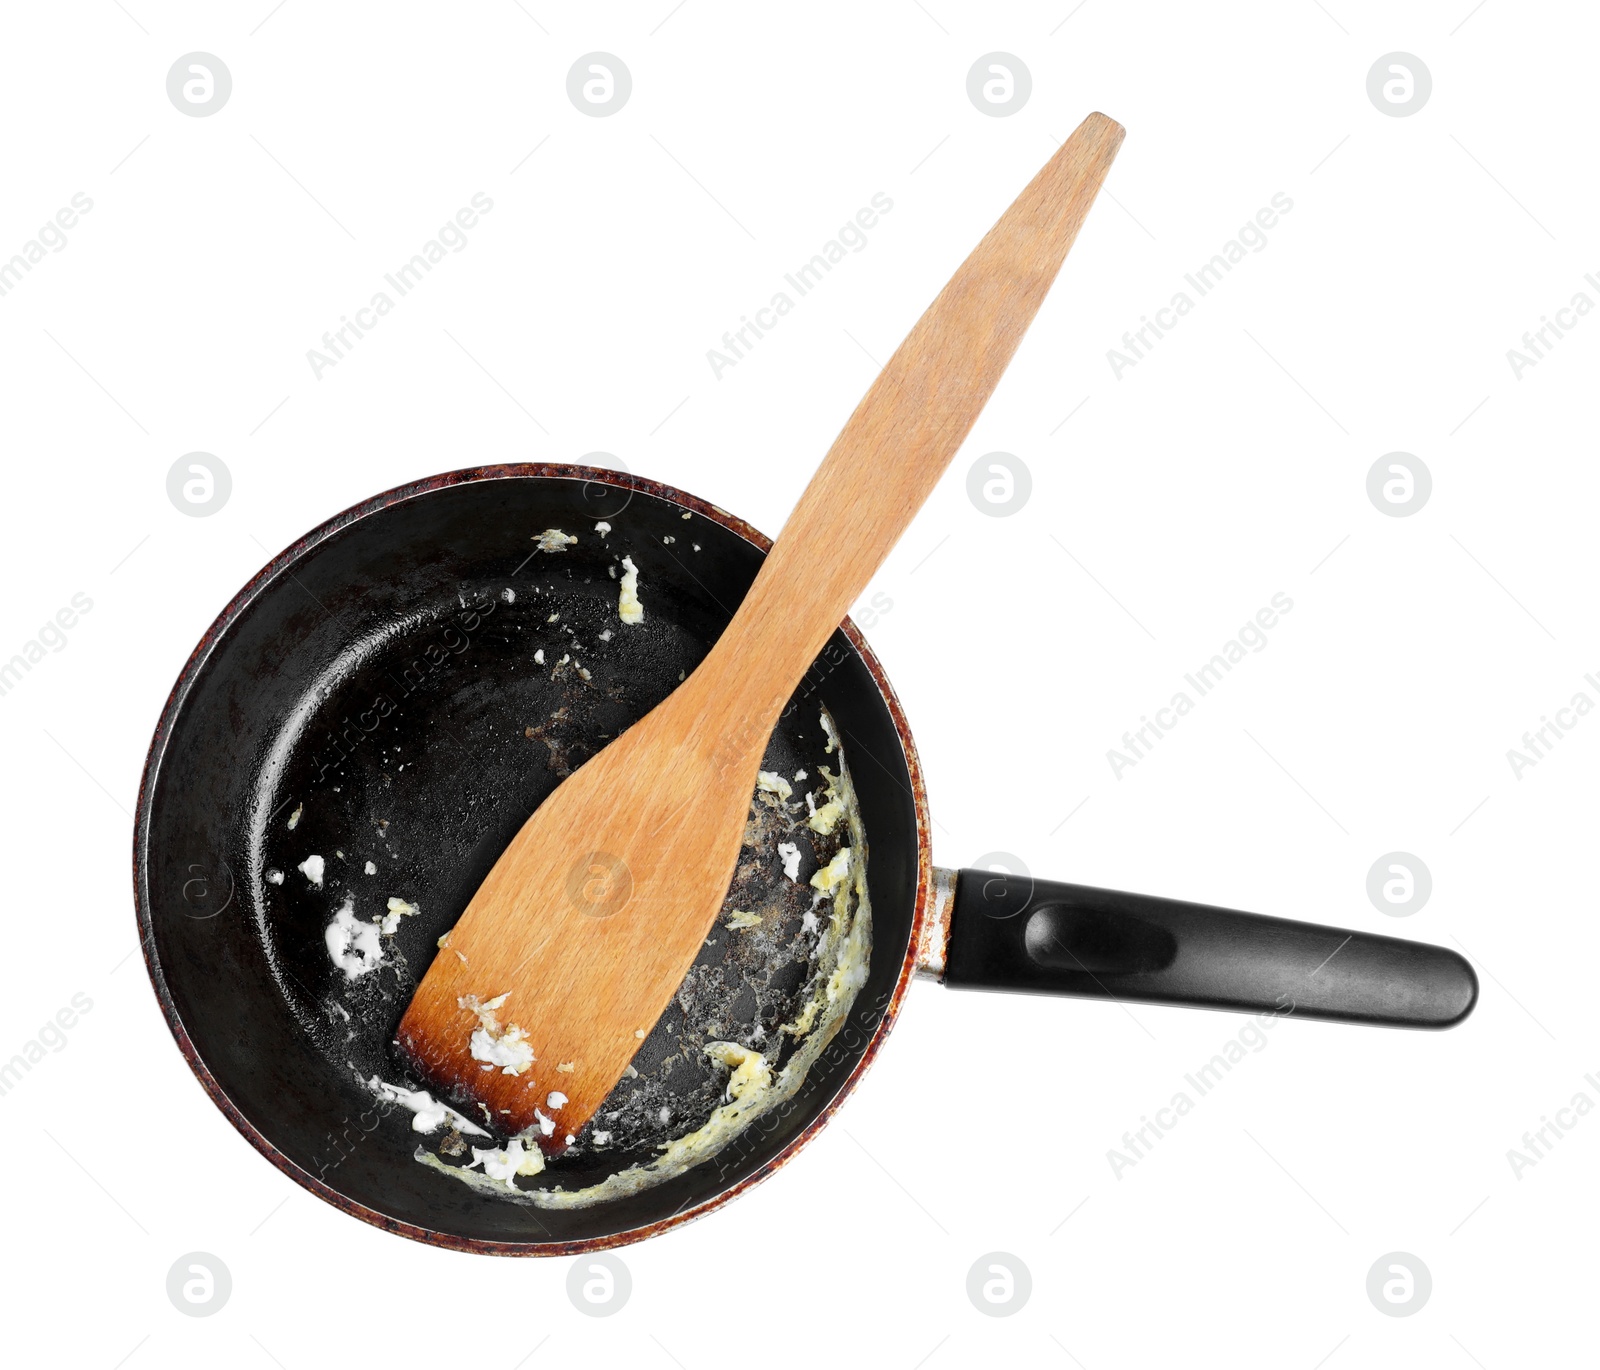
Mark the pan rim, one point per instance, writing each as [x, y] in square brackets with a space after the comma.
[173, 707]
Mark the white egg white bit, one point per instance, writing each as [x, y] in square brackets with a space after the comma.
[789, 854]
[602, 528]
[505, 1049]
[312, 868]
[370, 869]
[355, 946]
[509, 595]
[509, 1161]
[428, 1115]
[556, 1099]
[274, 877]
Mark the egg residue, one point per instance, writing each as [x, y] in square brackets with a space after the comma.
[505, 1049]
[355, 946]
[840, 964]
[629, 609]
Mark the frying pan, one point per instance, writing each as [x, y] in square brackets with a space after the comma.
[371, 697]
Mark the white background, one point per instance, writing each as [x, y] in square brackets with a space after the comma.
[1228, 465]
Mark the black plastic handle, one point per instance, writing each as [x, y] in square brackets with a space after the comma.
[1010, 932]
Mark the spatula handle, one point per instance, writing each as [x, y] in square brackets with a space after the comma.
[903, 434]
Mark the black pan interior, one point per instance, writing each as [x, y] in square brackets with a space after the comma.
[379, 681]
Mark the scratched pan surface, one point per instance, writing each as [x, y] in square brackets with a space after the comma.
[377, 678]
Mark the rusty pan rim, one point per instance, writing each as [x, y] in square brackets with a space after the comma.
[283, 562]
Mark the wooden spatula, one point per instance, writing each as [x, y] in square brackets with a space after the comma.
[587, 924]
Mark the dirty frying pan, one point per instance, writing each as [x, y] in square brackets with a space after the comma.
[373, 699]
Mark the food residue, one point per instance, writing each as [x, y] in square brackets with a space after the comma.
[826, 818]
[789, 854]
[428, 1115]
[312, 868]
[353, 945]
[763, 1068]
[506, 1049]
[554, 540]
[398, 909]
[508, 1162]
[771, 783]
[828, 878]
[629, 610]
